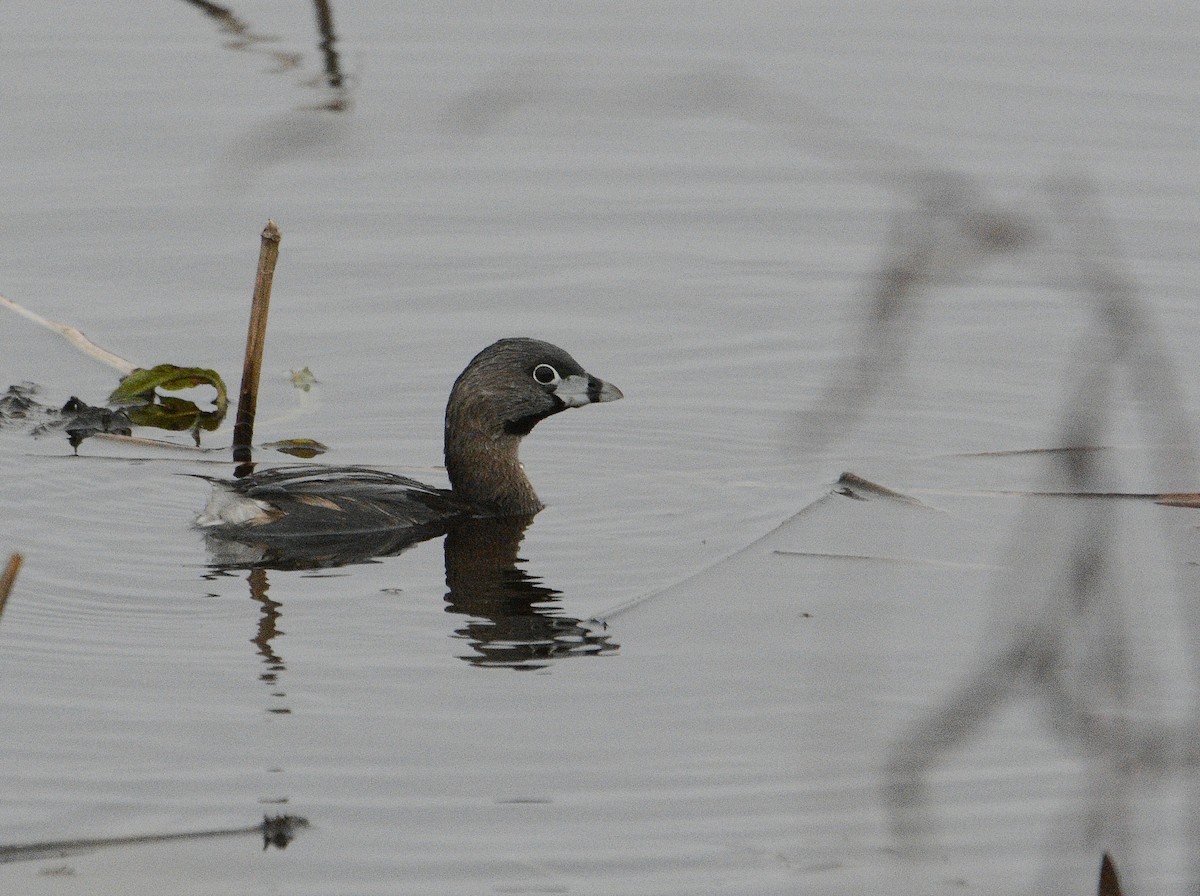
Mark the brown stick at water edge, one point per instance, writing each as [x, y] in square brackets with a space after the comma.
[8, 577]
[243, 429]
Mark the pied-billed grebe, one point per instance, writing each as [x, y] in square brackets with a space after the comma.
[500, 396]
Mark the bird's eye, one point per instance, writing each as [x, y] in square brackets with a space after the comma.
[545, 375]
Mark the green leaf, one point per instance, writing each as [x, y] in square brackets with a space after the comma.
[140, 385]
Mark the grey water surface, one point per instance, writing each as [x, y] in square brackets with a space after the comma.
[917, 241]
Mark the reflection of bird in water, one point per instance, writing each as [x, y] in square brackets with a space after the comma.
[502, 394]
[515, 620]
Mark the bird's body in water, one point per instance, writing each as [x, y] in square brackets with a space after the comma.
[502, 394]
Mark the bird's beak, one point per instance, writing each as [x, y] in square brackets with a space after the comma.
[579, 389]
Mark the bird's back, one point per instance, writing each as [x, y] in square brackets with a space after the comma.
[303, 500]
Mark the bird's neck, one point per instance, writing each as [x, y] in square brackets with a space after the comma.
[485, 470]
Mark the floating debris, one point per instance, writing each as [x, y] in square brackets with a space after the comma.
[18, 403]
[78, 420]
[138, 394]
[135, 402]
[303, 379]
[281, 830]
[305, 448]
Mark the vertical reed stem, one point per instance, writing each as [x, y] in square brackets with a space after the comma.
[243, 429]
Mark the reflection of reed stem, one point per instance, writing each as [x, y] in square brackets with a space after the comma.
[243, 429]
[8, 577]
[220, 13]
[268, 630]
[333, 67]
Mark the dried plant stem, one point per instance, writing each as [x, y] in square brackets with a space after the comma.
[73, 336]
[277, 831]
[8, 577]
[243, 429]
[1110, 884]
[142, 441]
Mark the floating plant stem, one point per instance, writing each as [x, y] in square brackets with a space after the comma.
[8, 577]
[278, 831]
[243, 428]
[73, 336]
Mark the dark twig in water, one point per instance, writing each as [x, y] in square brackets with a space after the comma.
[278, 831]
[1110, 884]
[7, 578]
[256, 337]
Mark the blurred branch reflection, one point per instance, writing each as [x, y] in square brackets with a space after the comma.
[1065, 641]
[244, 38]
[952, 227]
[229, 23]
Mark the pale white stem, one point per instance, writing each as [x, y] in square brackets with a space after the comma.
[73, 336]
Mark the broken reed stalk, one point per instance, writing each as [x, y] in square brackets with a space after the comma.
[243, 429]
[8, 577]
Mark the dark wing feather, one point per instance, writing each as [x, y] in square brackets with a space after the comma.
[310, 500]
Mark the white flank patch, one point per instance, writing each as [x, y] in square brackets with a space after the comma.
[227, 508]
